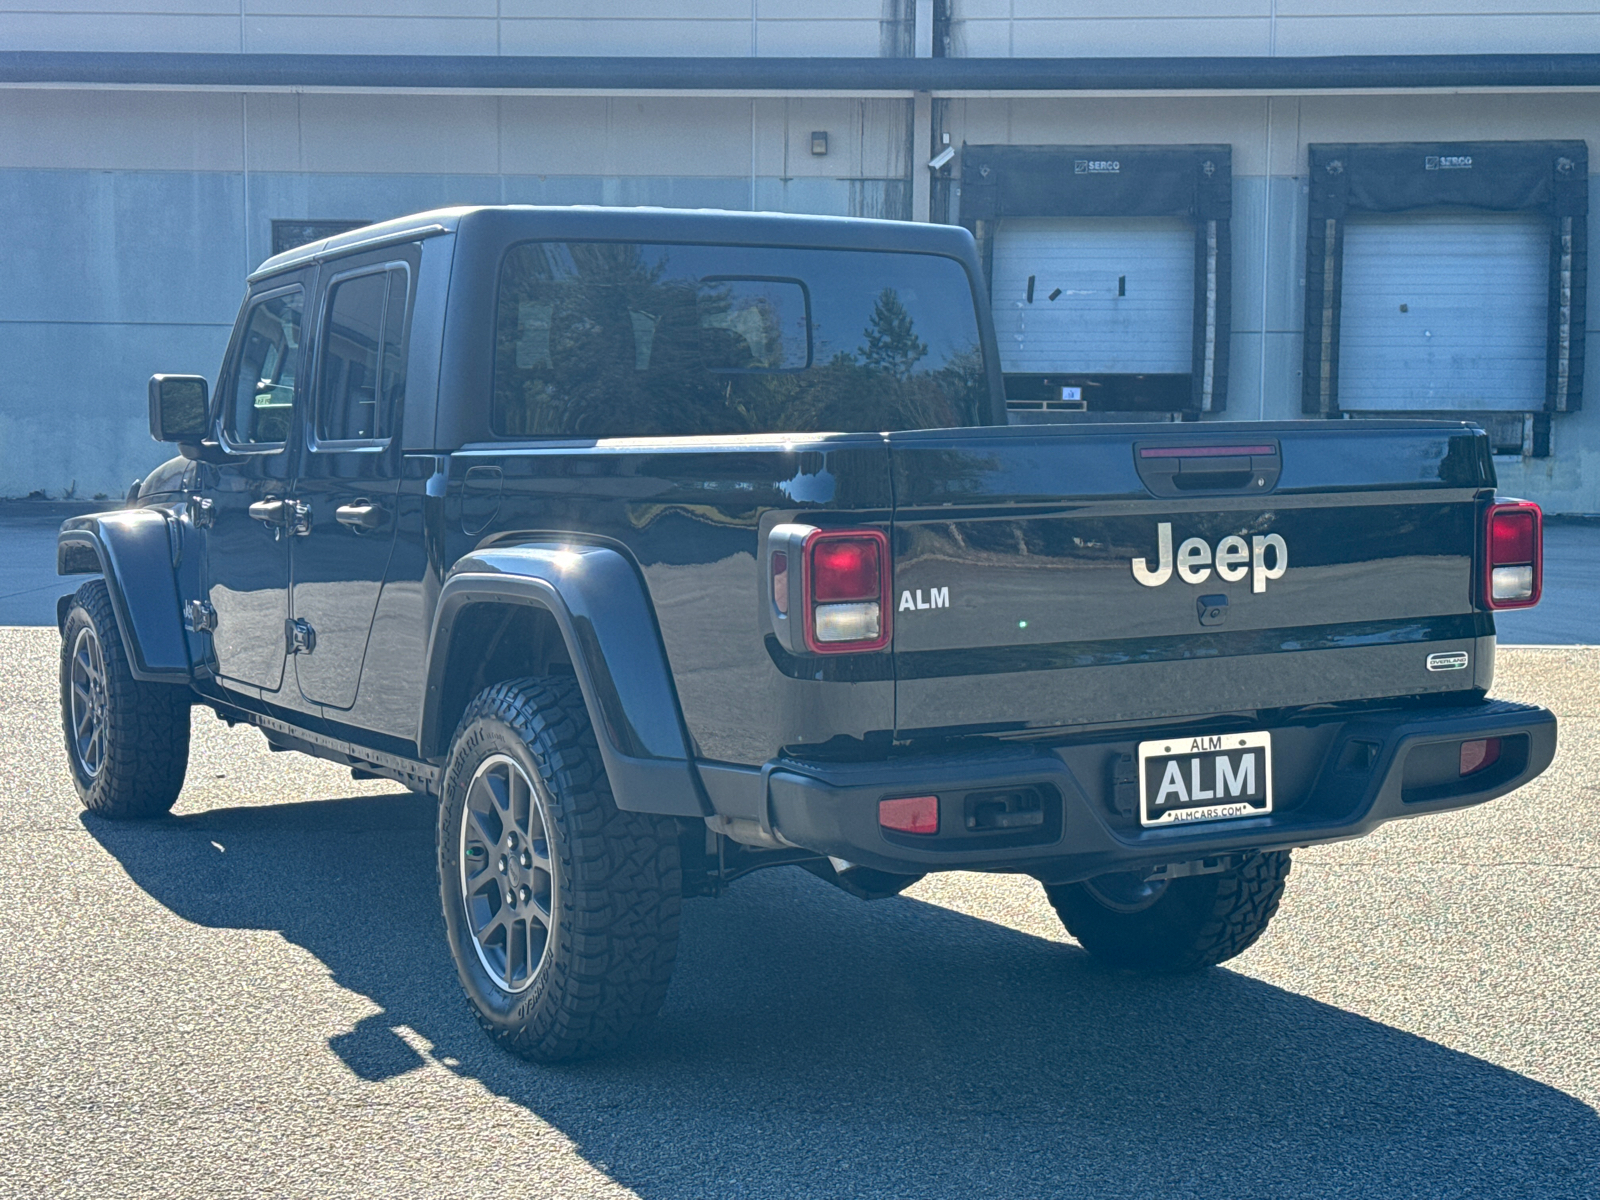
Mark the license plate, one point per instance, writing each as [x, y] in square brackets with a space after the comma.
[1219, 777]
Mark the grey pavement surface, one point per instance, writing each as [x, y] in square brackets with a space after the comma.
[1568, 615]
[252, 997]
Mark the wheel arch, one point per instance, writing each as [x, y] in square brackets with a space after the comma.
[581, 607]
[135, 553]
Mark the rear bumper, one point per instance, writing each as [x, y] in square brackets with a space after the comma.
[1333, 779]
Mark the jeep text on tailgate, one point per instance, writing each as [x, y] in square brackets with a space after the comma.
[661, 547]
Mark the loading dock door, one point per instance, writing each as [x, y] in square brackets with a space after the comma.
[1444, 311]
[1126, 302]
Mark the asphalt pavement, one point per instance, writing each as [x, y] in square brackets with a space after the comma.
[252, 997]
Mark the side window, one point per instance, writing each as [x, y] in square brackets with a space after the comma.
[363, 363]
[262, 401]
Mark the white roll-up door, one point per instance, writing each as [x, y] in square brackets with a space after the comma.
[1444, 311]
[1123, 292]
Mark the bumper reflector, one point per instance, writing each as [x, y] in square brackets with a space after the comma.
[1479, 755]
[910, 814]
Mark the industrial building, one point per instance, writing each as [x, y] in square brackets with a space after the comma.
[1221, 209]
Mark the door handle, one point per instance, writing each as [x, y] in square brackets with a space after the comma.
[271, 512]
[361, 516]
[286, 517]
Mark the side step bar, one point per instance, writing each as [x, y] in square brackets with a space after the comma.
[418, 776]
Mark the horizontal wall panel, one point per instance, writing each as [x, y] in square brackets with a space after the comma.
[594, 36]
[1125, 302]
[148, 32]
[382, 9]
[137, 7]
[1444, 311]
[1158, 9]
[801, 39]
[1092, 37]
[1460, 33]
[369, 35]
[1436, 8]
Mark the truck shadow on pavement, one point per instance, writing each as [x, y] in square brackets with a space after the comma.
[814, 1045]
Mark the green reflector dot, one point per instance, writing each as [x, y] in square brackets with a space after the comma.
[1022, 624]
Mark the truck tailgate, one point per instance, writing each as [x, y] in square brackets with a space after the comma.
[1339, 566]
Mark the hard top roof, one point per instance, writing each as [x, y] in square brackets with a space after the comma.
[587, 222]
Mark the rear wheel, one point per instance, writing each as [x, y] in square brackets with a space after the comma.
[1171, 926]
[561, 910]
[127, 741]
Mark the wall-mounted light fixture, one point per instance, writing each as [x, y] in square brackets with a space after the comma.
[819, 142]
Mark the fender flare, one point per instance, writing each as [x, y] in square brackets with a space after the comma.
[133, 550]
[604, 614]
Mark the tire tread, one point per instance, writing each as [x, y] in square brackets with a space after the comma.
[1209, 921]
[621, 889]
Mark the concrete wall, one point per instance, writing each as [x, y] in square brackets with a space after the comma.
[1089, 28]
[133, 217]
[581, 27]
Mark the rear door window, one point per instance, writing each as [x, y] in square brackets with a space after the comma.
[362, 374]
[625, 340]
[260, 405]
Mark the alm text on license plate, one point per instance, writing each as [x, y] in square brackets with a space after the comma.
[1217, 777]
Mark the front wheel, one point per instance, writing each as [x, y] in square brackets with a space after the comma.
[1176, 925]
[127, 741]
[561, 910]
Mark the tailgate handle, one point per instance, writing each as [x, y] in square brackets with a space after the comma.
[1217, 468]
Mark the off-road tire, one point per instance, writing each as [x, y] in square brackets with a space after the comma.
[617, 886]
[146, 725]
[1195, 922]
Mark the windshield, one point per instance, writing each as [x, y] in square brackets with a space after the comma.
[604, 339]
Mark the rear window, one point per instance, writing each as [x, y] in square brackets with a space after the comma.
[605, 339]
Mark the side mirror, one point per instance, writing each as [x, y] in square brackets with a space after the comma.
[179, 407]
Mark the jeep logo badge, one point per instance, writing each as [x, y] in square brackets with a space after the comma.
[1233, 559]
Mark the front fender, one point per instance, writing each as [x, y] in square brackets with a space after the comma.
[133, 549]
[599, 603]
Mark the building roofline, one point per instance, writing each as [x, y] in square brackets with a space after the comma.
[758, 76]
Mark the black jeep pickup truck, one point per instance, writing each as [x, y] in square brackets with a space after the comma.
[665, 546]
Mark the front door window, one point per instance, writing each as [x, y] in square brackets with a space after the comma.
[262, 400]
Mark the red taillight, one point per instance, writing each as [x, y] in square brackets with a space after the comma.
[846, 591]
[1513, 575]
[910, 814]
[1479, 755]
[844, 568]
